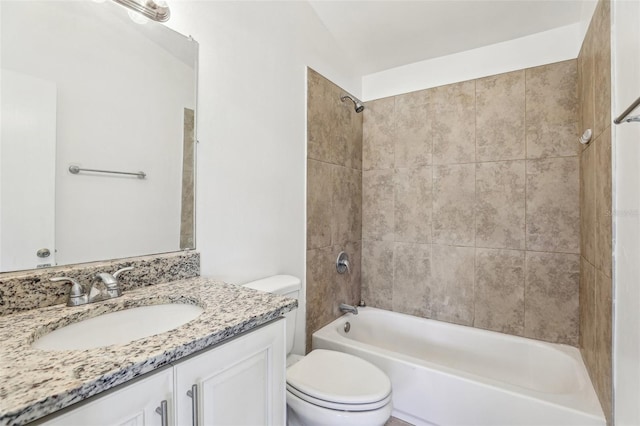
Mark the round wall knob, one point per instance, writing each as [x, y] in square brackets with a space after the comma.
[43, 252]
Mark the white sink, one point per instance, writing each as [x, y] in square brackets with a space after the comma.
[119, 327]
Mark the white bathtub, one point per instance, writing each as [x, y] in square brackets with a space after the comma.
[446, 374]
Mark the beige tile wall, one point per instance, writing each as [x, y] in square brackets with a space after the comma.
[594, 77]
[187, 205]
[334, 201]
[470, 198]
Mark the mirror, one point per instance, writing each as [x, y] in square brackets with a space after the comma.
[86, 87]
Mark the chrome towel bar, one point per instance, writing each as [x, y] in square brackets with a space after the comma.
[623, 117]
[75, 170]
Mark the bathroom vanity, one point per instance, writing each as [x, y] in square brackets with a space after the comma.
[225, 366]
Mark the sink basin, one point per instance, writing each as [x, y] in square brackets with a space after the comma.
[119, 327]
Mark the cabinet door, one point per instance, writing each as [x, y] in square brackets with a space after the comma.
[132, 405]
[241, 382]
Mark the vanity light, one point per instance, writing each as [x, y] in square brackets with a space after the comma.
[156, 10]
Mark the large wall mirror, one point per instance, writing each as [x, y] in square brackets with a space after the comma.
[84, 86]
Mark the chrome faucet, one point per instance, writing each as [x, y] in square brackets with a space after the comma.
[348, 308]
[111, 282]
[78, 295]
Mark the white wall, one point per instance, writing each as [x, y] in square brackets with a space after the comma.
[626, 278]
[251, 119]
[120, 107]
[538, 49]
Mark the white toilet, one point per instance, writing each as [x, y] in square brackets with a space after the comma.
[328, 387]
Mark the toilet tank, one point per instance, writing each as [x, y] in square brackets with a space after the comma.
[283, 285]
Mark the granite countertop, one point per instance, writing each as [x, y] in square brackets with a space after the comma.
[34, 383]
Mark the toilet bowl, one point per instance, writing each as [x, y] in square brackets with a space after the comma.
[335, 388]
[328, 387]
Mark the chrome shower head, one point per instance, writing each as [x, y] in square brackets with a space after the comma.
[357, 105]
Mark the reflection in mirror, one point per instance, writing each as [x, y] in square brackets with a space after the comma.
[83, 85]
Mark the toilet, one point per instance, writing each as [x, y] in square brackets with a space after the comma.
[328, 387]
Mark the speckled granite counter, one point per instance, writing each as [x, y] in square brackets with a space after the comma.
[34, 383]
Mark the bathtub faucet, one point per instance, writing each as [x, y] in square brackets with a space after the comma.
[348, 308]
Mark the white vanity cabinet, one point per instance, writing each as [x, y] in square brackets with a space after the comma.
[129, 405]
[240, 382]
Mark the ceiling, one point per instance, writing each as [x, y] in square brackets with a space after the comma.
[379, 35]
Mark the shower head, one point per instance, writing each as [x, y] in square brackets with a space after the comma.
[357, 105]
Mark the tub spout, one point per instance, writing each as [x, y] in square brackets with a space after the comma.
[348, 308]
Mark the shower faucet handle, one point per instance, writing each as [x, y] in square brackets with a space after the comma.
[342, 263]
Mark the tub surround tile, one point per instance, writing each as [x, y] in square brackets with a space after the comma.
[499, 290]
[587, 200]
[596, 208]
[501, 183]
[320, 110]
[377, 205]
[334, 201]
[500, 109]
[346, 137]
[454, 205]
[319, 204]
[452, 109]
[601, 27]
[354, 138]
[603, 203]
[377, 273]
[413, 140]
[350, 288]
[326, 289]
[378, 135]
[586, 87]
[413, 99]
[341, 142]
[552, 297]
[603, 339]
[553, 215]
[451, 292]
[500, 204]
[27, 290]
[319, 289]
[587, 311]
[346, 211]
[187, 199]
[412, 205]
[29, 391]
[552, 110]
[411, 275]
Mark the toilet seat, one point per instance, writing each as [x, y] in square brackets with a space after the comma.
[336, 405]
[339, 381]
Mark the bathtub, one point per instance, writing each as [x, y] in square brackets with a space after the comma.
[447, 374]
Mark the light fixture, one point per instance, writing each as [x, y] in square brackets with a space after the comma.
[156, 10]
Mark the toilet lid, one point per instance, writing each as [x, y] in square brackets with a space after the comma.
[338, 377]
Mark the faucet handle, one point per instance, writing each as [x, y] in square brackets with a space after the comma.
[77, 294]
[342, 263]
[119, 271]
